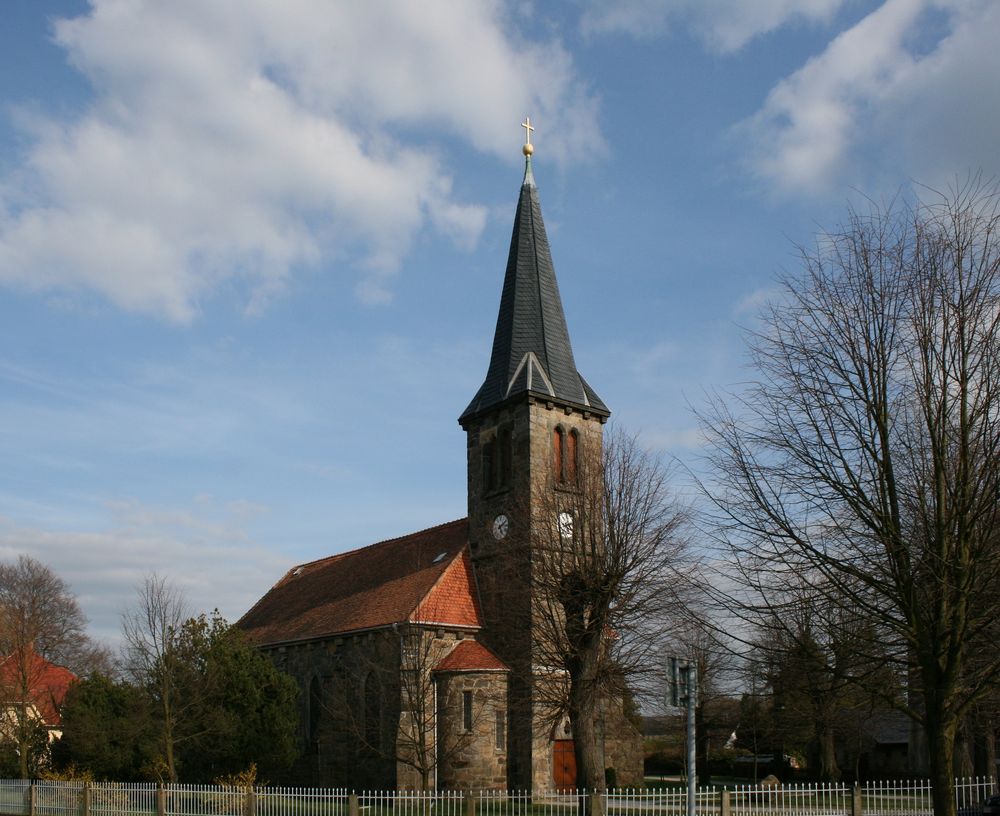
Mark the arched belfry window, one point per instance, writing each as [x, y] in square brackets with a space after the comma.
[497, 461]
[489, 466]
[570, 466]
[373, 711]
[565, 455]
[558, 443]
[504, 456]
[315, 707]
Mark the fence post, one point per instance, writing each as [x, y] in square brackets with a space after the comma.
[857, 805]
[470, 803]
[250, 802]
[725, 805]
[161, 800]
[86, 799]
[32, 799]
[352, 805]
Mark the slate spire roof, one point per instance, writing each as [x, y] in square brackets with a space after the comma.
[531, 349]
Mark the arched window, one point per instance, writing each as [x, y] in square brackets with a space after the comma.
[497, 456]
[570, 458]
[489, 466]
[466, 710]
[565, 456]
[558, 439]
[373, 711]
[504, 457]
[315, 707]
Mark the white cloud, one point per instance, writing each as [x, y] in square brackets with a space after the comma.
[205, 549]
[722, 25]
[886, 99]
[240, 139]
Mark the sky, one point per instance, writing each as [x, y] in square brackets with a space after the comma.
[251, 252]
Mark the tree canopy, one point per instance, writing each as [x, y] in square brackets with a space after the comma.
[861, 468]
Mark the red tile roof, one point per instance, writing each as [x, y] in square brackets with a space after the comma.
[470, 656]
[453, 598]
[425, 576]
[46, 683]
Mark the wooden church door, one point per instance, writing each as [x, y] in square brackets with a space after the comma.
[563, 765]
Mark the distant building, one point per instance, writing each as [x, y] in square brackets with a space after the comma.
[412, 665]
[32, 689]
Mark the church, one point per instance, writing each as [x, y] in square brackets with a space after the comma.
[418, 658]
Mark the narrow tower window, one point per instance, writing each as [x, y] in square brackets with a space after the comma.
[557, 455]
[571, 464]
[504, 456]
[489, 466]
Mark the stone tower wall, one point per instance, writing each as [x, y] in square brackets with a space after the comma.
[503, 568]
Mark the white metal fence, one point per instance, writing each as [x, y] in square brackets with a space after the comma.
[895, 798]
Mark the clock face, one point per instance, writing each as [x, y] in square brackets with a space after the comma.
[565, 521]
[500, 527]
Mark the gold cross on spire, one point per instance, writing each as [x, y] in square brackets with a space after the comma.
[528, 127]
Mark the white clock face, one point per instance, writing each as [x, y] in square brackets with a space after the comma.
[565, 521]
[500, 527]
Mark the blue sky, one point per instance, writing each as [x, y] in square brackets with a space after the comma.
[251, 252]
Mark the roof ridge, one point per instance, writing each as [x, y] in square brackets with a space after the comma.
[331, 558]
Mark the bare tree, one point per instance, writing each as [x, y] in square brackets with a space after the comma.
[864, 462]
[151, 630]
[607, 570]
[40, 623]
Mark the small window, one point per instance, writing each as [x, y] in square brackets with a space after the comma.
[570, 464]
[489, 466]
[373, 712]
[467, 710]
[315, 706]
[557, 455]
[504, 456]
[501, 730]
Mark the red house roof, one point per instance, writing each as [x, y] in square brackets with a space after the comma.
[470, 656]
[423, 577]
[46, 684]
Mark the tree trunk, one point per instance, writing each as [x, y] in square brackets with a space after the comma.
[168, 750]
[589, 776]
[941, 749]
[23, 748]
[827, 749]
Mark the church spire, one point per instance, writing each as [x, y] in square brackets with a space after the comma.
[532, 354]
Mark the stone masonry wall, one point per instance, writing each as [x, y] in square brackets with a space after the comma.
[474, 758]
[339, 747]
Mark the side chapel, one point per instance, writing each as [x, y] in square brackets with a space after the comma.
[416, 657]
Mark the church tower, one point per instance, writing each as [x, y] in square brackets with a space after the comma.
[532, 422]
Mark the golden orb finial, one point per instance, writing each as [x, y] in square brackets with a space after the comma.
[528, 148]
